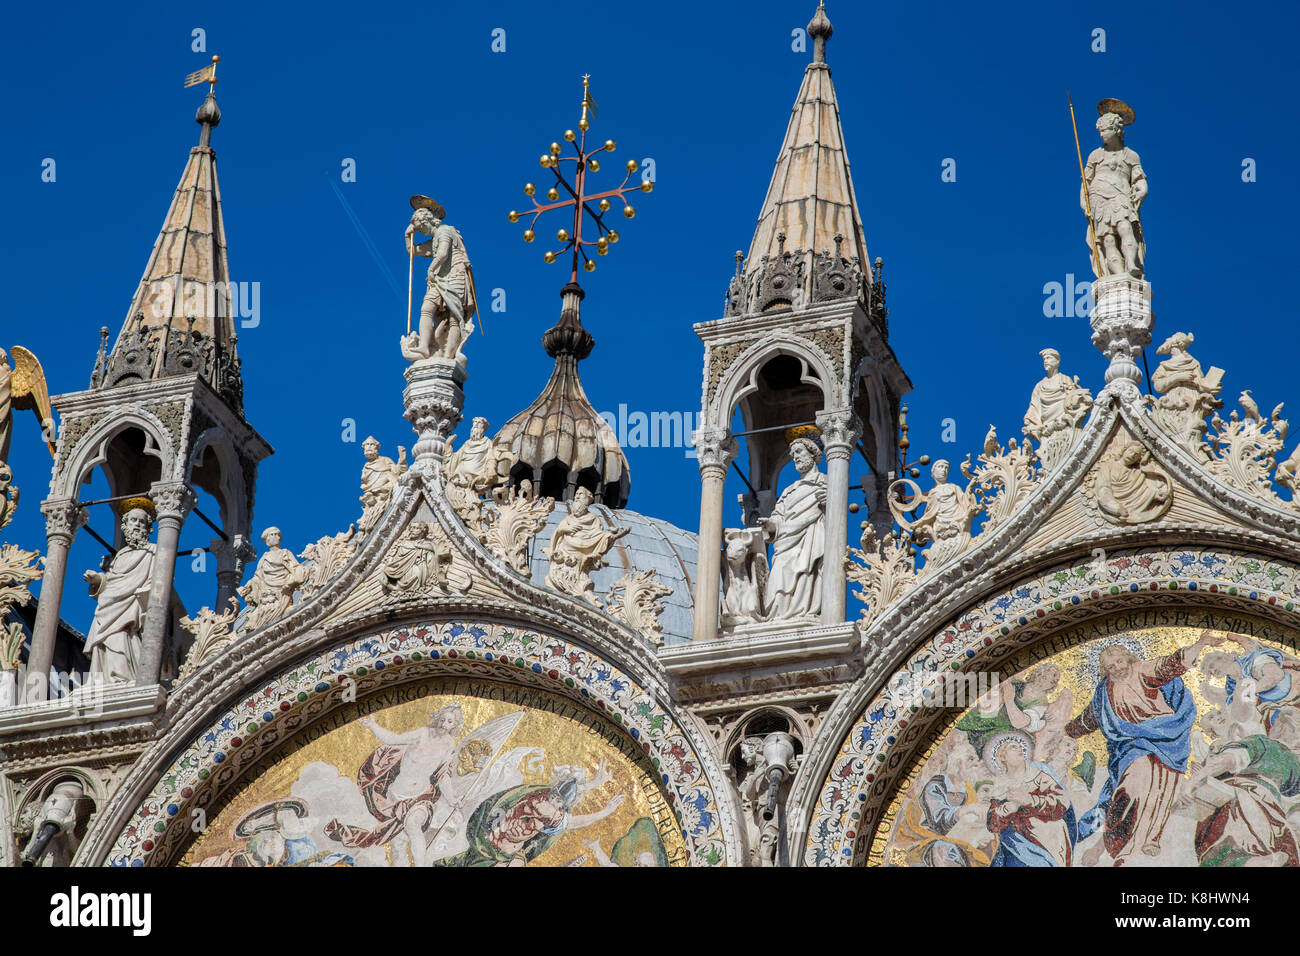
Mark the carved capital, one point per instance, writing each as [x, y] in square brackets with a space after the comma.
[840, 432]
[716, 448]
[173, 500]
[1121, 324]
[63, 516]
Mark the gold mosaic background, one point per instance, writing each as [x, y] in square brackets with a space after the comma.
[323, 760]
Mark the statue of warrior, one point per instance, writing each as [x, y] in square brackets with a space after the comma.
[447, 313]
[1114, 185]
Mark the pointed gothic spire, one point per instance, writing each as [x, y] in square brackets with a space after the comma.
[181, 318]
[811, 198]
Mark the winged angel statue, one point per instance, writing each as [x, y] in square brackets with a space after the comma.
[21, 386]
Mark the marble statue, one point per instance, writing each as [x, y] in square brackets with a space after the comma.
[797, 530]
[1287, 472]
[417, 564]
[22, 385]
[122, 596]
[744, 576]
[636, 601]
[447, 313]
[1129, 488]
[946, 521]
[1056, 412]
[1188, 394]
[1116, 187]
[378, 479]
[474, 464]
[578, 548]
[53, 841]
[269, 593]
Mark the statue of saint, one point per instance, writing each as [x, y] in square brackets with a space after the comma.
[1188, 394]
[378, 479]
[447, 313]
[1116, 186]
[269, 593]
[1130, 488]
[578, 547]
[797, 530]
[416, 564]
[23, 386]
[474, 464]
[122, 596]
[1057, 409]
[946, 521]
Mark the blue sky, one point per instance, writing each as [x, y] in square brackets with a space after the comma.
[417, 97]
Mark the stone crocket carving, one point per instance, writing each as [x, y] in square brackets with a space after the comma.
[578, 548]
[518, 517]
[122, 597]
[212, 635]
[1056, 412]
[635, 600]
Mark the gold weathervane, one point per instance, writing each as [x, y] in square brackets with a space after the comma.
[208, 74]
[578, 198]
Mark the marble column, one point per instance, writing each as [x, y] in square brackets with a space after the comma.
[716, 449]
[840, 431]
[231, 556]
[173, 501]
[62, 518]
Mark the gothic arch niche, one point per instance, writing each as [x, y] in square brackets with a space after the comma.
[912, 784]
[782, 384]
[215, 467]
[133, 453]
[246, 753]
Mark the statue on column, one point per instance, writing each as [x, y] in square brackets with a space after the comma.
[378, 479]
[1057, 409]
[1114, 186]
[122, 597]
[269, 593]
[447, 313]
[797, 530]
[578, 547]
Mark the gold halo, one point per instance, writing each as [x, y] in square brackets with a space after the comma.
[1119, 108]
[424, 202]
[803, 431]
[127, 505]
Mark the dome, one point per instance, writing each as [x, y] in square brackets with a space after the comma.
[651, 543]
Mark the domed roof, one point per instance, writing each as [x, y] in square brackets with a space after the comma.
[651, 543]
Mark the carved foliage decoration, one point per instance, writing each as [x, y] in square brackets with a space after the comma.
[1245, 448]
[882, 569]
[510, 530]
[212, 632]
[636, 601]
[18, 568]
[1002, 478]
[327, 558]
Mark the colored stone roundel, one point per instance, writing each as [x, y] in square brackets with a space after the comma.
[202, 776]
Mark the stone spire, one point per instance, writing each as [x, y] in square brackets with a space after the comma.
[811, 197]
[181, 318]
[558, 442]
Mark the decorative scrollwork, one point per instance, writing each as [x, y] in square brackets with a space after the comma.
[883, 569]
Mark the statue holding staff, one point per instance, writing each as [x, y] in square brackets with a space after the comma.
[447, 312]
[1111, 195]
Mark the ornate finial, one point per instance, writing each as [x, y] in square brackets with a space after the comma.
[780, 242]
[581, 201]
[209, 114]
[740, 261]
[820, 29]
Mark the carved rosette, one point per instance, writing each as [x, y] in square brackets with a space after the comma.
[1121, 324]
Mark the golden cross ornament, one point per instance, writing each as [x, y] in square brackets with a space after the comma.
[578, 198]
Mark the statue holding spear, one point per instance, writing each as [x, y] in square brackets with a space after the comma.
[1111, 195]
